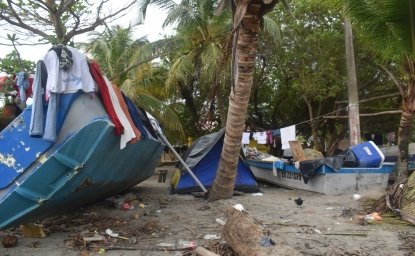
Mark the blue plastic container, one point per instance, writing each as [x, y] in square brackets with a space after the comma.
[368, 154]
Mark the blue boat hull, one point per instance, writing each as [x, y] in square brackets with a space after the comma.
[85, 165]
[326, 180]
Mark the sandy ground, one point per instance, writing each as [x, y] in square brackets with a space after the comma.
[324, 225]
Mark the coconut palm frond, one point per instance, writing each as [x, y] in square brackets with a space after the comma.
[128, 88]
[181, 70]
[167, 117]
[153, 50]
[386, 22]
[272, 28]
[165, 5]
[184, 15]
[211, 57]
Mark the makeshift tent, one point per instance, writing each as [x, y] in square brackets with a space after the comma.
[203, 159]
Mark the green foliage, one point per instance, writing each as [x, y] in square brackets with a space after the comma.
[388, 24]
[198, 70]
[11, 64]
[308, 67]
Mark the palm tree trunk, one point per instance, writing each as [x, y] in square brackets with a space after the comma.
[403, 137]
[405, 124]
[238, 104]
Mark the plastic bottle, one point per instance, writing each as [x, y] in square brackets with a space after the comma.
[181, 244]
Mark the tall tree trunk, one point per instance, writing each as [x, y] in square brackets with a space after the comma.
[246, 50]
[313, 123]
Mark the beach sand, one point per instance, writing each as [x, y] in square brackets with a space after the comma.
[160, 222]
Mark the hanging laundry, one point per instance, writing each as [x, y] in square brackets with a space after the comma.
[269, 137]
[245, 138]
[262, 138]
[287, 134]
[106, 99]
[39, 101]
[129, 133]
[76, 77]
[64, 56]
[22, 82]
[276, 132]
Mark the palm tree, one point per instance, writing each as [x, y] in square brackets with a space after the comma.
[189, 17]
[246, 26]
[126, 62]
[390, 25]
[198, 69]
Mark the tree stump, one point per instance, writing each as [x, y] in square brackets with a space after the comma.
[244, 234]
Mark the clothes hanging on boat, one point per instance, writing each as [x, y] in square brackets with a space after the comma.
[64, 56]
[105, 96]
[57, 79]
[127, 113]
[39, 101]
[50, 124]
[135, 116]
[77, 77]
[129, 133]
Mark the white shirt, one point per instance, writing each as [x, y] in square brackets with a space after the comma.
[76, 78]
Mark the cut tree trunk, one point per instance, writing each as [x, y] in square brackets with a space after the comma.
[244, 234]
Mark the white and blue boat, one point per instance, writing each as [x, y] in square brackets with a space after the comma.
[325, 179]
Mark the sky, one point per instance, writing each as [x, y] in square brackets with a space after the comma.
[152, 28]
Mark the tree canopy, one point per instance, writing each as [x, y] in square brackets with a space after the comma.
[54, 21]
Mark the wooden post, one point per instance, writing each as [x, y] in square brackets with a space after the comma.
[354, 121]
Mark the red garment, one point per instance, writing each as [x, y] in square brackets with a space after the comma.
[97, 76]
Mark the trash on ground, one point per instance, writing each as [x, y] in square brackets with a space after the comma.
[239, 207]
[266, 241]
[257, 194]
[94, 238]
[33, 231]
[184, 244]
[127, 206]
[9, 241]
[356, 196]
[112, 234]
[211, 237]
[317, 231]
[372, 217]
[170, 245]
[221, 222]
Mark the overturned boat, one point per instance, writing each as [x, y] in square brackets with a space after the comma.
[102, 146]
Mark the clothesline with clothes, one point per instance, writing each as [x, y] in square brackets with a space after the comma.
[286, 134]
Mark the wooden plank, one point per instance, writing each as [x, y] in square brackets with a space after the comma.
[297, 150]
